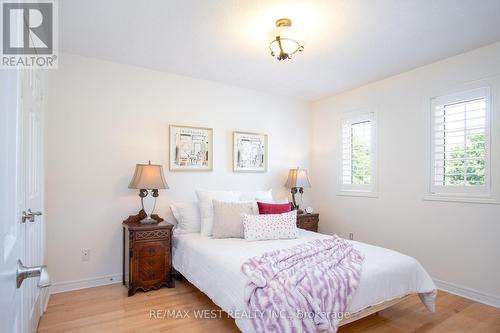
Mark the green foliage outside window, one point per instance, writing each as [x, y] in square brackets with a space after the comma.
[361, 164]
[474, 166]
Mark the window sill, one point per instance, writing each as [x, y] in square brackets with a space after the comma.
[357, 194]
[465, 199]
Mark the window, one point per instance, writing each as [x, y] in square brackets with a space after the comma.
[460, 144]
[358, 155]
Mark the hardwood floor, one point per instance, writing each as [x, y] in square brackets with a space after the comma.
[108, 309]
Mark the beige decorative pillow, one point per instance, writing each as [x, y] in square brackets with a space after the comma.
[227, 218]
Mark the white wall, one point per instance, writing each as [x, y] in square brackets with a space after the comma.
[457, 243]
[105, 117]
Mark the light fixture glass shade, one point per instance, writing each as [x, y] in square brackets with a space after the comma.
[284, 42]
[148, 177]
[297, 178]
[289, 46]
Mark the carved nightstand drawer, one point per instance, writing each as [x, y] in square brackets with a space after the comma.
[152, 234]
[151, 249]
[150, 271]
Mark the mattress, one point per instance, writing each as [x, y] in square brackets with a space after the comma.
[214, 267]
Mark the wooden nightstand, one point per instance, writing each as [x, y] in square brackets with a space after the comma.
[147, 255]
[308, 221]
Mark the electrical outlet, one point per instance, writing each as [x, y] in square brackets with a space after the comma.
[351, 236]
[85, 254]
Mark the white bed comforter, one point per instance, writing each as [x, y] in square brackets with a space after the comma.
[214, 267]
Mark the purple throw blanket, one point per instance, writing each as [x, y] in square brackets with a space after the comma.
[305, 288]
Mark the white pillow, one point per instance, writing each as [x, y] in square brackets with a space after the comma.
[262, 196]
[227, 218]
[205, 205]
[281, 201]
[270, 226]
[187, 215]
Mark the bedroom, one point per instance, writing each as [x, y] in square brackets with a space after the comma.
[389, 110]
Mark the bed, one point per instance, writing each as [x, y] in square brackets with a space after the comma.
[214, 267]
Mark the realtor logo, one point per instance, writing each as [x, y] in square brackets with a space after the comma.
[29, 34]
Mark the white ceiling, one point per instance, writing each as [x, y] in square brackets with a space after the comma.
[347, 43]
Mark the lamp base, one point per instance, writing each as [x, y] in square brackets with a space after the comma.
[148, 220]
[294, 191]
[141, 216]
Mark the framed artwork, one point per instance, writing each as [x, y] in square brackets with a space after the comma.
[191, 148]
[249, 152]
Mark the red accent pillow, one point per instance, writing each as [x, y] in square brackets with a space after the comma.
[269, 208]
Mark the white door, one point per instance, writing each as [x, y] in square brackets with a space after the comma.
[10, 319]
[32, 105]
[22, 104]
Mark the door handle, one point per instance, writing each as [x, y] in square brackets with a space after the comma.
[29, 215]
[24, 272]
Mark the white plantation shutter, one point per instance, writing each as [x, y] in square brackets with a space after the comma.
[460, 143]
[357, 153]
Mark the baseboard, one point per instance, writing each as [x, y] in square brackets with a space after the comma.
[61, 287]
[468, 293]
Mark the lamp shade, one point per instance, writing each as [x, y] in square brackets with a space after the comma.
[284, 43]
[297, 178]
[148, 177]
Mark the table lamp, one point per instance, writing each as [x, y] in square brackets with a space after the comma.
[148, 179]
[297, 180]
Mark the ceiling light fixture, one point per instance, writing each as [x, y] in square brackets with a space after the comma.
[283, 46]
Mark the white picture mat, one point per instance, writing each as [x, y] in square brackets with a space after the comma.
[250, 152]
[191, 148]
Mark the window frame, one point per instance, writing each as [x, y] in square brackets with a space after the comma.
[369, 190]
[463, 193]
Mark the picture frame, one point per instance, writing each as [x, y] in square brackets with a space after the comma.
[190, 148]
[250, 152]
